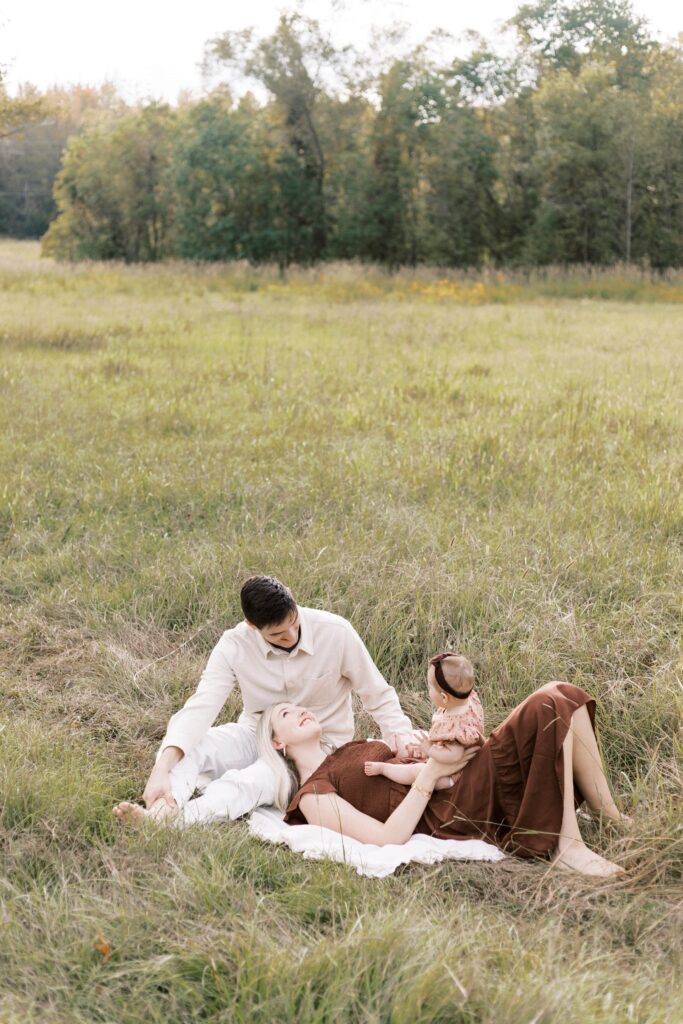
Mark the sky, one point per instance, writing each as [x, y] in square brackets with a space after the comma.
[152, 48]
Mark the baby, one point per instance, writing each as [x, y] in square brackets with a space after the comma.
[459, 719]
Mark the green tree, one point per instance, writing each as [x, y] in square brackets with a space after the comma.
[458, 197]
[17, 112]
[659, 226]
[347, 125]
[113, 191]
[565, 34]
[588, 130]
[21, 195]
[391, 198]
[283, 63]
[30, 158]
[431, 192]
[216, 168]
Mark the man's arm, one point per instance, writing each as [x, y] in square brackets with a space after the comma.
[187, 727]
[378, 698]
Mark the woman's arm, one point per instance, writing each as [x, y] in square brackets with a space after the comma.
[330, 811]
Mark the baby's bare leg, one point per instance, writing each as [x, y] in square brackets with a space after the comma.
[403, 773]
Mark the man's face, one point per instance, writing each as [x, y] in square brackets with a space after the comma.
[284, 634]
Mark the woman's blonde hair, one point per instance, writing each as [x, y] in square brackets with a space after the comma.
[286, 778]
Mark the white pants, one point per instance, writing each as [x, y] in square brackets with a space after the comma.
[238, 780]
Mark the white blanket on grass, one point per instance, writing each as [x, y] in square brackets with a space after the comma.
[316, 842]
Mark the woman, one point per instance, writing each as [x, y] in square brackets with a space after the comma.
[519, 791]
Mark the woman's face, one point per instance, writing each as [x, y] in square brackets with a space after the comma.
[292, 725]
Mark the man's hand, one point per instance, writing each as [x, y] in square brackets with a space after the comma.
[158, 788]
[159, 784]
[410, 744]
[424, 744]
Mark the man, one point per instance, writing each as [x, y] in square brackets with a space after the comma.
[281, 652]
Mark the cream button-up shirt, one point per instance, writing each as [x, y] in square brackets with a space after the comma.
[327, 665]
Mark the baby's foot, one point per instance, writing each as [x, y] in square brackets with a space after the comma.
[373, 767]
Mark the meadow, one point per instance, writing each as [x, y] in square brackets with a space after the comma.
[489, 462]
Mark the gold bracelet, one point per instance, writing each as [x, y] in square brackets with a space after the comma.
[424, 792]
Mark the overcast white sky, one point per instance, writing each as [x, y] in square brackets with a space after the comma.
[152, 48]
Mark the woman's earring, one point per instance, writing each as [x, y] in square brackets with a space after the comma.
[284, 751]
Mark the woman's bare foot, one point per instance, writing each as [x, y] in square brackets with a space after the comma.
[373, 767]
[611, 813]
[615, 819]
[135, 814]
[575, 856]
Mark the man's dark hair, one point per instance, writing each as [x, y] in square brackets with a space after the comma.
[266, 601]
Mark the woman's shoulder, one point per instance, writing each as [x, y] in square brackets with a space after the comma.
[334, 762]
[326, 778]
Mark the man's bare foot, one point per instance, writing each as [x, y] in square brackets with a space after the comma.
[574, 856]
[130, 814]
[373, 767]
[135, 814]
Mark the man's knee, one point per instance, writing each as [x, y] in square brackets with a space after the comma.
[225, 747]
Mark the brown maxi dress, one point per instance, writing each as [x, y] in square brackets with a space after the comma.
[510, 794]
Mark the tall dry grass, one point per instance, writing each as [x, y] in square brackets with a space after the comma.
[500, 475]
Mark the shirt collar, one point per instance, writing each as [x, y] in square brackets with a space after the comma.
[305, 640]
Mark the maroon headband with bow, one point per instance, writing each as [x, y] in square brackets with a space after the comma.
[440, 678]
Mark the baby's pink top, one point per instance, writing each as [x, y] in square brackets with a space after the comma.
[466, 727]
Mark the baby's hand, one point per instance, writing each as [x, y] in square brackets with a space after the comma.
[373, 768]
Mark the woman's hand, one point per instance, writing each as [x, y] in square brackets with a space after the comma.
[455, 764]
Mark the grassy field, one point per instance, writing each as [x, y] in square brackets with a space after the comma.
[494, 464]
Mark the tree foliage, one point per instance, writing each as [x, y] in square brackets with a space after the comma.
[114, 192]
[35, 130]
[566, 150]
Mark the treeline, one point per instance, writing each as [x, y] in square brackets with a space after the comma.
[570, 149]
[34, 131]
